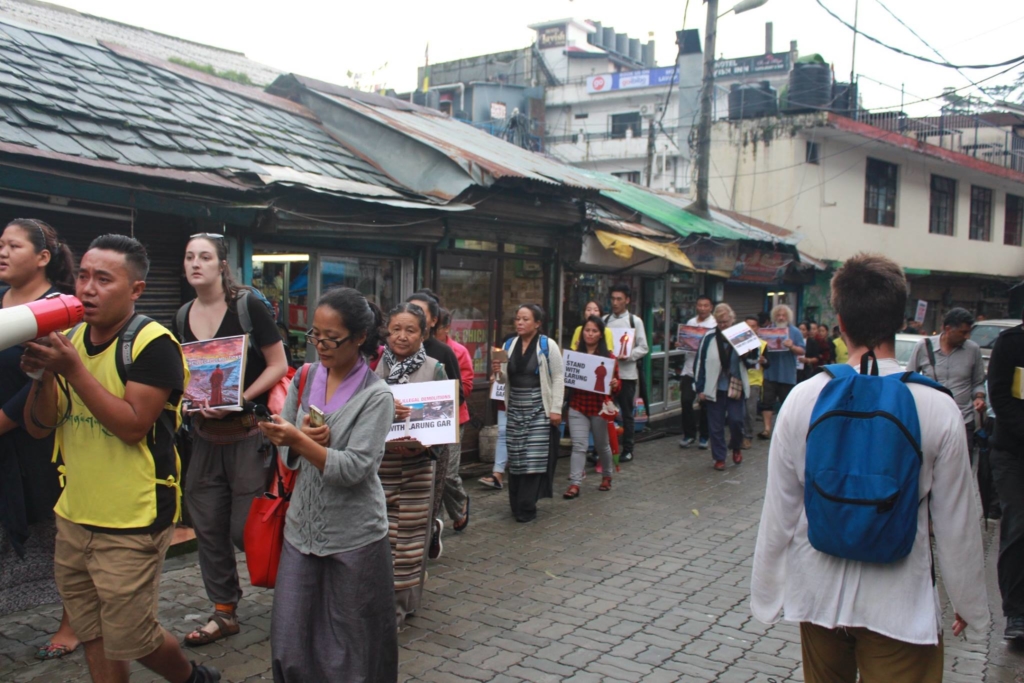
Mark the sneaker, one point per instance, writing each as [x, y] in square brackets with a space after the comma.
[703, 444]
[204, 674]
[1014, 628]
[747, 443]
[626, 457]
[737, 457]
[435, 540]
[686, 442]
[719, 465]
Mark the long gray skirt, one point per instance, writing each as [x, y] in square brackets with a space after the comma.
[334, 617]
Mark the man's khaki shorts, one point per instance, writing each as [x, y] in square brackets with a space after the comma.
[110, 587]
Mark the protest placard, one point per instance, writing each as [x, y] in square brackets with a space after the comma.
[498, 391]
[588, 372]
[742, 338]
[774, 337]
[217, 368]
[435, 412]
[623, 339]
[688, 337]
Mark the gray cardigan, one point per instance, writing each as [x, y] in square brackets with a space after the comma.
[342, 508]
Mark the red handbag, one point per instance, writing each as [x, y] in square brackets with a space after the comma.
[263, 536]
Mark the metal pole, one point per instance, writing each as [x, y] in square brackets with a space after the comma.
[706, 93]
[651, 131]
[853, 57]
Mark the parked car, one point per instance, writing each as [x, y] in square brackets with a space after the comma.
[984, 335]
[905, 346]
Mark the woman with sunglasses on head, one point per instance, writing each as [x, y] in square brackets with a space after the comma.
[33, 263]
[449, 490]
[334, 602]
[408, 475]
[534, 387]
[591, 310]
[227, 468]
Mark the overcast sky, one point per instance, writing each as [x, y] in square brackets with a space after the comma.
[328, 39]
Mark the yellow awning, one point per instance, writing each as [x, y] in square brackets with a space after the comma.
[623, 245]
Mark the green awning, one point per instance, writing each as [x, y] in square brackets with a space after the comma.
[917, 271]
[657, 208]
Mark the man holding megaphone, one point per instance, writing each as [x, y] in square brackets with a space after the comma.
[111, 393]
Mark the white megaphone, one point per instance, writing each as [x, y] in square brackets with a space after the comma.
[19, 324]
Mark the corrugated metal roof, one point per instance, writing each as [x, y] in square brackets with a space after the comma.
[110, 107]
[484, 158]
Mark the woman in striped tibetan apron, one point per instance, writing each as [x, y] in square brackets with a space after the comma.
[535, 385]
[411, 480]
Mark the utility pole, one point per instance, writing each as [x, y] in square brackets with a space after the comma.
[853, 56]
[706, 93]
[651, 133]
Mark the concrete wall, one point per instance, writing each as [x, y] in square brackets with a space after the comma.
[759, 169]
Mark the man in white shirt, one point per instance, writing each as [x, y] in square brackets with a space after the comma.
[691, 422]
[881, 619]
[621, 318]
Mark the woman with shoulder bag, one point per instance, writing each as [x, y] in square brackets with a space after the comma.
[334, 613]
[723, 386]
[535, 385]
[227, 468]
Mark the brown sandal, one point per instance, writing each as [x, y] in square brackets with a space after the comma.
[224, 629]
[606, 484]
[572, 492]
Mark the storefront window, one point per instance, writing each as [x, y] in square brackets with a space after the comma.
[522, 283]
[583, 287]
[658, 380]
[376, 279]
[467, 294]
[282, 278]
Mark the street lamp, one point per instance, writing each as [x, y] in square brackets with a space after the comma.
[707, 90]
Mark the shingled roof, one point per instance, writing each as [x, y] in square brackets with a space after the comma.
[106, 106]
[70, 22]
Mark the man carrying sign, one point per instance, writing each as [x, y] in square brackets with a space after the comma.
[686, 390]
[620, 318]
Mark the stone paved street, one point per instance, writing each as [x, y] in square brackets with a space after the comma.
[646, 583]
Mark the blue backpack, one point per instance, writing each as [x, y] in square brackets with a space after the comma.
[863, 464]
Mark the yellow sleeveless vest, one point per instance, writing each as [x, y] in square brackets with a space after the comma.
[107, 483]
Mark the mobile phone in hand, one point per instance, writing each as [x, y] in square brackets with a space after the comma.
[316, 417]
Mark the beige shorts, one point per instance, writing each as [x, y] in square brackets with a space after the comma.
[110, 587]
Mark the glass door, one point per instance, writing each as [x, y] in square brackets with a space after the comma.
[465, 285]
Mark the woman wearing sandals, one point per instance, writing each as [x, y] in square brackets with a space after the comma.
[408, 475]
[535, 384]
[455, 499]
[494, 480]
[33, 263]
[227, 469]
[334, 603]
[584, 413]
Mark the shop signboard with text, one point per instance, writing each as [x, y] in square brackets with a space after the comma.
[473, 335]
[631, 80]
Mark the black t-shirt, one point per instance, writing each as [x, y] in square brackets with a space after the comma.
[438, 350]
[264, 333]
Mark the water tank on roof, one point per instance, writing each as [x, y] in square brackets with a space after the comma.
[634, 49]
[752, 101]
[608, 39]
[810, 87]
[597, 36]
[844, 99]
[622, 43]
[647, 54]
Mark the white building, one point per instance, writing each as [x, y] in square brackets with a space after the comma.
[943, 197]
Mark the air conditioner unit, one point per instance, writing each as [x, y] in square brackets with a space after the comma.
[646, 109]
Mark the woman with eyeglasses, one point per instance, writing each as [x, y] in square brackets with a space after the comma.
[227, 468]
[33, 263]
[334, 603]
[408, 475]
[534, 387]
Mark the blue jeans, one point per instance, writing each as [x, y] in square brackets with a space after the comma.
[500, 447]
[721, 411]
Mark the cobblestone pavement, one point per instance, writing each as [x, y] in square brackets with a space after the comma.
[648, 582]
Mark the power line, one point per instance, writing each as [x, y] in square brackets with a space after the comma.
[928, 60]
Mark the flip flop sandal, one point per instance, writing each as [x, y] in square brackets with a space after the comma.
[53, 651]
[491, 483]
[224, 629]
[572, 492]
[461, 525]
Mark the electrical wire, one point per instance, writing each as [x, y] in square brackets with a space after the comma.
[1014, 61]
